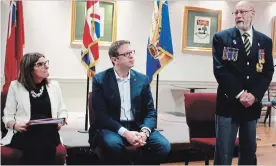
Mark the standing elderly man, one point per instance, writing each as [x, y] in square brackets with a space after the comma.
[243, 68]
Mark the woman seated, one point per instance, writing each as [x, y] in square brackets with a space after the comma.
[33, 97]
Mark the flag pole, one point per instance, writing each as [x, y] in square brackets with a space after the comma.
[157, 82]
[157, 87]
[86, 107]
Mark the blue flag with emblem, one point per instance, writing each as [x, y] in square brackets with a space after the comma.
[159, 49]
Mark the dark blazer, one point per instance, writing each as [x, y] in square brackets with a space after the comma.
[236, 74]
[106, 102]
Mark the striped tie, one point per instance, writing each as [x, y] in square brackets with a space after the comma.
[247, 44]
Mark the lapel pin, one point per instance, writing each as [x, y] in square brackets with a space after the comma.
[234, 41]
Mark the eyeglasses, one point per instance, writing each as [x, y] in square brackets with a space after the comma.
[242, 12]
[44, 64]
[128, 54]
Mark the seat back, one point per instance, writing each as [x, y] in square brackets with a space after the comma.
[91, 111]
[92, 129]
[200, 114]
[3, 104]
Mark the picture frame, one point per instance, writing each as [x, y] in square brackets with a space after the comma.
[199, 27]
[274, 36]
[108, 22]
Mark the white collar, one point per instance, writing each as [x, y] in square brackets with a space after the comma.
[120, 78]
[250, 32]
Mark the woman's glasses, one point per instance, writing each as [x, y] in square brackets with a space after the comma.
[44, 64]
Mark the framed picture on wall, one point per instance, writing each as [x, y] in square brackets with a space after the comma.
[199, 27]
[108, 25]
[274, 36]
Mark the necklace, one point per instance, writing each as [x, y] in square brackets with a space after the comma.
[35, 95]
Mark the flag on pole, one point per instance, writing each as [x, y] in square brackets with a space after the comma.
[91, 35]
[15, 43]
[160, 49]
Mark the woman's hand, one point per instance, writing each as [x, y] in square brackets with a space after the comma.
[61, 124]
[20, 127]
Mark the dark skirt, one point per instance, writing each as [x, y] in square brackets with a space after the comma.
[38, 144]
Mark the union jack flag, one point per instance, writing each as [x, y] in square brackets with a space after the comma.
[91, 35]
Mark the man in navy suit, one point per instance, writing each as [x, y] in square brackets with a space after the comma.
[124, 110]
[243, 68]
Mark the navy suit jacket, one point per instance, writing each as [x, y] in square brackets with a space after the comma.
[106, 102]
[234, 75]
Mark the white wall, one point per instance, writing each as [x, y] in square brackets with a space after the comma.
[48, 25]
[3, 28]
[47, 30]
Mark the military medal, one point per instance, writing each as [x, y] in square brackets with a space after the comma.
[224, 55]
[235, 54]
[230, 55]
[259, 67]
[261, 56]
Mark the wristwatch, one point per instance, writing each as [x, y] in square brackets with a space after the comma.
[146, 132]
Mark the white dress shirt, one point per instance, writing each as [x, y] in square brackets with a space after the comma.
[250, 32]
[124, 89]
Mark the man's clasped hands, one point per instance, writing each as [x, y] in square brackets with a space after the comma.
[247, 99]
[135, 138]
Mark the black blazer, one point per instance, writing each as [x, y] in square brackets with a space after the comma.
[106, 102]
[235, 74]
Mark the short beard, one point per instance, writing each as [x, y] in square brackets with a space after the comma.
[245, 26]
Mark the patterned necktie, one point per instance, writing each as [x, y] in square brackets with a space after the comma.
[247, 44]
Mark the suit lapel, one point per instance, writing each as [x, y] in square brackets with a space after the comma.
[115, 94]
[133, 89]
[238, 40]
[254, 47]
